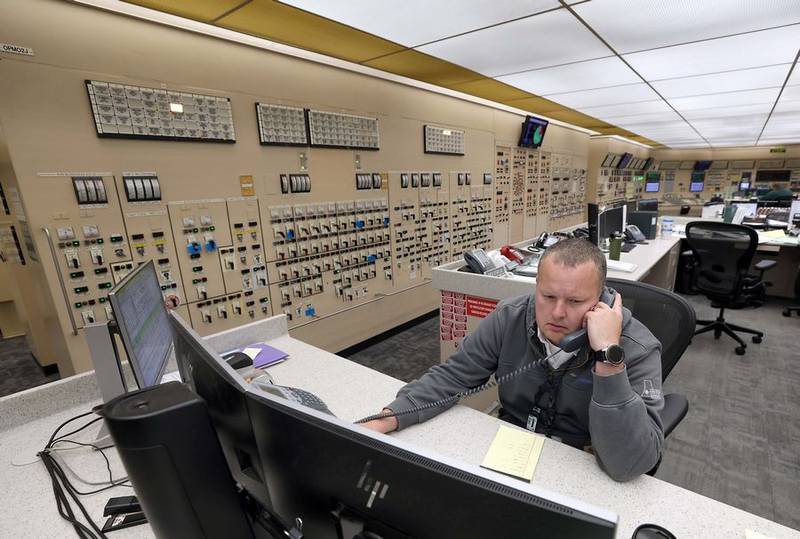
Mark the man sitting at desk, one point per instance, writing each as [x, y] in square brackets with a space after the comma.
[581, 398]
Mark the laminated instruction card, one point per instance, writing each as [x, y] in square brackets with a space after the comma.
[514, 452]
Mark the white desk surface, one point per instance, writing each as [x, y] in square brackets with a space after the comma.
[351, 391]
[447, 276]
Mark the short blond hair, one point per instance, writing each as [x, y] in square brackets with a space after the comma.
[574, 251]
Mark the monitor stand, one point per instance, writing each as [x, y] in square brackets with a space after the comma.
[107, 369]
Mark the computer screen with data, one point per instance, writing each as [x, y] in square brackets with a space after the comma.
[143, 324]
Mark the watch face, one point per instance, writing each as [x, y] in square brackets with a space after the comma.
[615, 354]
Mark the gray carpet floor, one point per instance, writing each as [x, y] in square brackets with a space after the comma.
[739, 443]
[18, 369]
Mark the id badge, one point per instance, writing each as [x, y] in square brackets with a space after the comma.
[533, 419]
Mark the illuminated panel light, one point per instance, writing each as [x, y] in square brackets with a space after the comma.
[733, 81]
[421, 21]
[575, 77]
[556, 37]
[769, 47]
[731, 99]
[681, 22]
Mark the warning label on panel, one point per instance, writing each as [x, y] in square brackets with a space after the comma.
[480, 307]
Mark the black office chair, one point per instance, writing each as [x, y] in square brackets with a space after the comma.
[671, 320]
[723, 253]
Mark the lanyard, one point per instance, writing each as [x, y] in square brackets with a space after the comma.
[544, 408]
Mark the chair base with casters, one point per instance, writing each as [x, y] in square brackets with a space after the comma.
[720, 326]
[791, 309]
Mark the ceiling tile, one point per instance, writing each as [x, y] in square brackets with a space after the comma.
[732, 81]
[634, 25]
[722, 112]
[610, 111]
[199, 10]
[545, 40]
[730, 99]
[572, 77]
[757, 49]
[629, 93]
[284, 24]
[419, 66]
[422, 21]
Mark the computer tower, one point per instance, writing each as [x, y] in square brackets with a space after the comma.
[592, 213]
[647, 222]
[170, 450]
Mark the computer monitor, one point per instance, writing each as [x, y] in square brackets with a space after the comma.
[624, 160]
[143, 324]
[224, 392]
[794, 213]
[610, 220]
[328, 472]
[744, 185]
[652, 187]
[647, 204]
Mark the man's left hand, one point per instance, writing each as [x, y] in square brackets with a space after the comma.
[604, 324]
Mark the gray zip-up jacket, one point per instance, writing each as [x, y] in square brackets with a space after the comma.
[618, 415]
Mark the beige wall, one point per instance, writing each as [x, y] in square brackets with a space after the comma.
[48, 128]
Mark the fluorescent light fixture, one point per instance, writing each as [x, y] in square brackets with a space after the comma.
[574, 77]
[757, 49]
[608, 111]
[731, 99]
[628, 25]
[629, 93]
[176, 108]
[420, 21]
[723, 112]
[732, 81]
[546, 40]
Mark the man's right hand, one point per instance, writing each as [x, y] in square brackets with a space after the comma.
[384, 425]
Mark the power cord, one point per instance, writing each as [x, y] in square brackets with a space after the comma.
[64, 491]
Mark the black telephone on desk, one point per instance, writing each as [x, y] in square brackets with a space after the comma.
[633, 234]
[479, 262]
[569, 343]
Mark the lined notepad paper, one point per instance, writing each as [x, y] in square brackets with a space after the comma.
[514, 452]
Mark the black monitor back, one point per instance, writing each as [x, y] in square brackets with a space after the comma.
[317, 467]
[222, 390]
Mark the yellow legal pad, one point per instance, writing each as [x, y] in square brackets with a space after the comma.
[514, 452]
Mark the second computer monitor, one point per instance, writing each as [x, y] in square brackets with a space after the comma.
[610, 221]
[143, 324]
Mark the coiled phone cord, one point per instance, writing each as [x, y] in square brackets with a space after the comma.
[454, 398]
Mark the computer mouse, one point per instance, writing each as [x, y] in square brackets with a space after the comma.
[652, 531]
[238, 360]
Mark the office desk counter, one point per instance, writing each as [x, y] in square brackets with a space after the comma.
[351, 391]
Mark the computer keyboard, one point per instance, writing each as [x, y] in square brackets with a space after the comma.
[298, 396]
[618, 265]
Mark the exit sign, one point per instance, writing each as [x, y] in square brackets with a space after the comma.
[777, 150]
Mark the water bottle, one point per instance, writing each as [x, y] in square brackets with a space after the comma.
[667, 227]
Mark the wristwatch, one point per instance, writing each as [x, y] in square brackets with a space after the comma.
[613, 354]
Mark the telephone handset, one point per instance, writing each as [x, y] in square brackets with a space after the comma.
[578, 339]
[632, 233]
[479, 262]
[569, 343]
[511, 253]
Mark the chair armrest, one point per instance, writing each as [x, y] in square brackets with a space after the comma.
[765, 265]
[675, 408]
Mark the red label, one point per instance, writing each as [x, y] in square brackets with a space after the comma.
[480, 307]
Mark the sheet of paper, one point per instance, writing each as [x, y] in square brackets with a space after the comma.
[252, 352]
[514, 452]
[773, 234]
[750, 534]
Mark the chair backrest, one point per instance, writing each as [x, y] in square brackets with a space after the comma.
[668, 316]
[723, 252]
